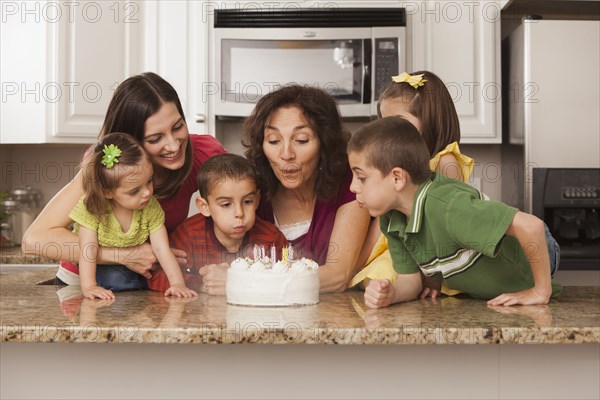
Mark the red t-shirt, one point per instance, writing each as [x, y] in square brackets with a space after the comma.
[315, 243]
[177, 207]
[196, 236]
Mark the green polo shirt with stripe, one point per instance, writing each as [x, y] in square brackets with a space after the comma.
[457, 234]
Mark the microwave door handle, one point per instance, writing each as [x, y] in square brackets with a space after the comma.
[367, 71]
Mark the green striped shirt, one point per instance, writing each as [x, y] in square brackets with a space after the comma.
[456, 233]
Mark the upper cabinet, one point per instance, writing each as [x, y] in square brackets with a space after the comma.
[61, 62]
[176, 38]
[460, 42]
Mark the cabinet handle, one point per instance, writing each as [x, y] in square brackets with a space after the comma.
[200, 118]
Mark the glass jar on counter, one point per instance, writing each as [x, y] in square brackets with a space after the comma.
[11, 209]
[22, 207]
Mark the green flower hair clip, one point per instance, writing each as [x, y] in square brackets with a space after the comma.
[111, 156]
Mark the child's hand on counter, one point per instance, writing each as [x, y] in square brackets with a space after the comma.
[180, 290]
[97, 292]
[431, 288]
[379, 293]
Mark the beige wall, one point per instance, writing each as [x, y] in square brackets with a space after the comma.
[44, 167]
[49, 167]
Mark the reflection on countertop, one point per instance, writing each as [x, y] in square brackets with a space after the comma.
[46, 313]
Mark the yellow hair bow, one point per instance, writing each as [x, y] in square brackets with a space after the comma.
[413, 80]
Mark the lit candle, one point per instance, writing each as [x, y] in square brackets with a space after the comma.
[284, 255]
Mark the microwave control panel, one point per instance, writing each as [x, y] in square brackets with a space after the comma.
[386, 63]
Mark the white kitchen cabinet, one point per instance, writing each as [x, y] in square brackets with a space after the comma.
[460, 42]
[59, 75]
[61, 62]
[177, 49]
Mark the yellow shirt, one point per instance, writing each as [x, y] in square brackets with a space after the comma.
[144, 222]
[466, 163]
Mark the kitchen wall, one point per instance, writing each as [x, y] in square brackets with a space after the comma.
[44, 167]
[49, 167]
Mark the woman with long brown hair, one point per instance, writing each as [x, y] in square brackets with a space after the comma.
[146, 107]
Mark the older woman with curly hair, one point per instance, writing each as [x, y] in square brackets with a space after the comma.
[296, 139]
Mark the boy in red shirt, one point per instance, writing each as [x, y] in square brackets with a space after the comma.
[226, 227]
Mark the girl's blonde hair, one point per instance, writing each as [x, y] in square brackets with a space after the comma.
[432, 105]
[98, 180]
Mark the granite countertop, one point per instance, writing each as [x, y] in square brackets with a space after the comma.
[46, 313]
[13, 255]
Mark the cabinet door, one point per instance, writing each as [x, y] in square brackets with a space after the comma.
[460, 42]
[96, 46]
[176, 39]
[197, 100]
[25, 81]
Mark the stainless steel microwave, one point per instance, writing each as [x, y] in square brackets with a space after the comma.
[349, 52]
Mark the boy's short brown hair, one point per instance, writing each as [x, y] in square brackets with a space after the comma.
[393, 142]
[221, 167]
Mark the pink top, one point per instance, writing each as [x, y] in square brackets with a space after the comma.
[315, 243]
[177, 207]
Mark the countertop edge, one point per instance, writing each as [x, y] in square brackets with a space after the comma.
[212, 334]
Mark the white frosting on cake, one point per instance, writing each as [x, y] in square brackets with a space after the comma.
[264, 284]
[258, 266]
[304, 264]
[239, 264]
[279, 266]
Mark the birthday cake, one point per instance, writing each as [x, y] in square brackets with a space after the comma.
[263, 281]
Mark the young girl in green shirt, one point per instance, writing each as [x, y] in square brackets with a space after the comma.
[118, 209]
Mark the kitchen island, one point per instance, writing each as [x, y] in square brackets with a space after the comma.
[550, 351]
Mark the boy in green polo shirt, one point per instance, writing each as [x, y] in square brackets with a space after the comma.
[444, 228]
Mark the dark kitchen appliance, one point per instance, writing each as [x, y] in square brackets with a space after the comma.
[568, 200]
